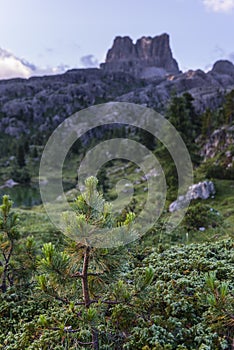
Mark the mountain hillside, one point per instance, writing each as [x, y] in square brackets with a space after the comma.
[170, 288]
[144, 73]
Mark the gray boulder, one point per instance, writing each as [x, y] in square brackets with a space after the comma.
[202, 190]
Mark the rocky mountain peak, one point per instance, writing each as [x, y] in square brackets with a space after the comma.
[122, 48]
[223, 67]
[147, 57]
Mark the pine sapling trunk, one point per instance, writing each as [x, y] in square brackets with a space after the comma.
[86, 295]
[85, 285]
[6, 267]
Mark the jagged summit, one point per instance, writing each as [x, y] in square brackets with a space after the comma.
[223, 67]
[148, 57]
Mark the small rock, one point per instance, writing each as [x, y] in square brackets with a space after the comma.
[9, 184]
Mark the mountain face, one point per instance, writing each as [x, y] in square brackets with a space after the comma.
[144, 73]
[147, 58]
[41, 103]
[207, 89]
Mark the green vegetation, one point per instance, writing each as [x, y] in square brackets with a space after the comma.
[212, 120]
[69, 295]
[165, 291]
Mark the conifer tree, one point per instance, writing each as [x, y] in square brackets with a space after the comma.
[20, 156]
[81, 260]
[17, 255]
[8, 236]
[207, 123]
[182, 115]
[229, 107]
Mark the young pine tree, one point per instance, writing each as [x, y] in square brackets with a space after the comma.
[17, 255]
[8, 237]
[81, 261]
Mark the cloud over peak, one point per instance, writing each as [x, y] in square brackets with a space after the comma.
[12, 66]
[224, 6]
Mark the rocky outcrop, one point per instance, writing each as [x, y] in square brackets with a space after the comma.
[147, 58]
[202, 190]
[207, 89]
[222, 72]
[41, 103]
[223, 67]
[218, 141]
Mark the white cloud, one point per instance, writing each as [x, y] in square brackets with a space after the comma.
[12, 66]
[219, 5]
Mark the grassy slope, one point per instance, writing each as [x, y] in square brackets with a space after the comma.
[224, 201]
[36, 221]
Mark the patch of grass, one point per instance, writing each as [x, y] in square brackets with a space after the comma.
[224, 202]
[35, 222]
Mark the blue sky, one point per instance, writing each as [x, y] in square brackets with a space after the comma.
[54, 35]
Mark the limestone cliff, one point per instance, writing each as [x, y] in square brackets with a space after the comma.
[146, 58]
